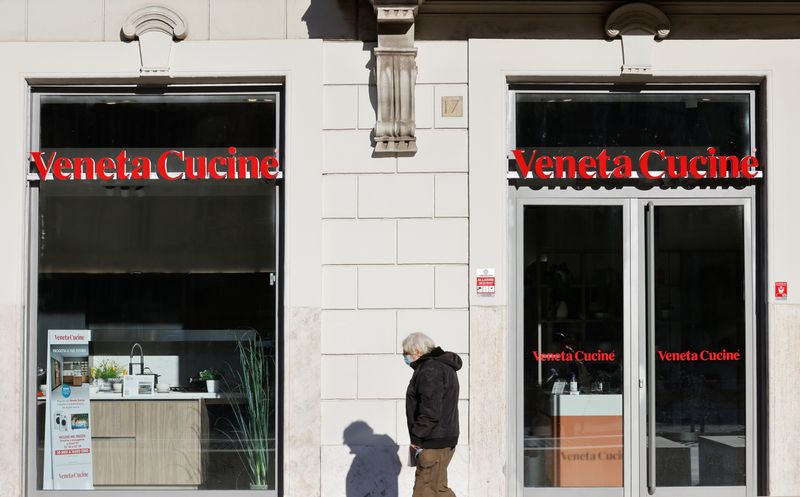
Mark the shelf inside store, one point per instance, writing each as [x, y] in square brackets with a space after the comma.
[169, 335]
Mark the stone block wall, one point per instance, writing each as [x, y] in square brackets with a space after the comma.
[101, 20]
[395, 251]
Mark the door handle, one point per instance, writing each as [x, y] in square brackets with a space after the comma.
[651, 348]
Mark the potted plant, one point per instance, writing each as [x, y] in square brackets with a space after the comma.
[252, 414]
[212, 377]
[107, 374]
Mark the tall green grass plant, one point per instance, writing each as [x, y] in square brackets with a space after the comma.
[252, 414]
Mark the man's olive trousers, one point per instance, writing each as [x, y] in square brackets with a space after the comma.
[431, 476]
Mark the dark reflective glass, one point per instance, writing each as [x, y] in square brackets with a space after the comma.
[632, 121]
[573, 344]
[700, 346]
[157, 121]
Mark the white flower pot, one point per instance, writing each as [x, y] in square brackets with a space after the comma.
[212, 385]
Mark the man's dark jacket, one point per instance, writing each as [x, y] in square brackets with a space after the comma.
[432, 400]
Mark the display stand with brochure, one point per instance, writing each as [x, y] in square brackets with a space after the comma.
[68, 425]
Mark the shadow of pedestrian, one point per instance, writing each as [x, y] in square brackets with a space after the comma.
[376, 466]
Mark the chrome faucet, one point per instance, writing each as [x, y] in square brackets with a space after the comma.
[141, 360]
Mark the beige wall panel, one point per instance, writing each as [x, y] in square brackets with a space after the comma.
[395, 195]
[451, 195]
[12, 22]
[421, 241]
[11, 389]
[78, 20]
[441, 61]
[339, 377]
[451, 286]
[337, 415]
[347, 63]
[302, 394]
[351, 151]
[423, 107]
[358, 332]
[448, 328]
[113, 419]
[340, 109]
[339, 287]
[359, 241]
[784, 437]
[488, 401]
[339, 196]
[247, 19]
[388, 287]
[440, 150]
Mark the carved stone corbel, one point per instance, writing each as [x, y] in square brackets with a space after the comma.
[395, 75]
[155, 27]
[638, 25]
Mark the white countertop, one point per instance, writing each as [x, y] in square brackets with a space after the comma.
[164, 396]
[586, 405]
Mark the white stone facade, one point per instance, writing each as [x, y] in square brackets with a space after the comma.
[379, 246]
[395, 256]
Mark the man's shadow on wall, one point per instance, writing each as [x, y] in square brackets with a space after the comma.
[376, 466]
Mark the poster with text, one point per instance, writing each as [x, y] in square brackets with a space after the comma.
[68, 433]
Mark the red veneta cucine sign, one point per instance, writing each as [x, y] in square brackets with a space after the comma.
[123, 166]
[606, 166]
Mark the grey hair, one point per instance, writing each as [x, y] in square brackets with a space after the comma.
[418, 343]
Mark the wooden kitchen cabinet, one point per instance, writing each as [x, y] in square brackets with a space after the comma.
[112, 463]
[168, 443]
[141, 442]
[111, 419]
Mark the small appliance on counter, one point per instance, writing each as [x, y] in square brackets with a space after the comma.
[194, 385]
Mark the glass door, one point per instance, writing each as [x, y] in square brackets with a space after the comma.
[634, 346]
[573, 317]
[695, 347]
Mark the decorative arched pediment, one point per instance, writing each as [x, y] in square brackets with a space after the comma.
[155, 27]
[638, 25]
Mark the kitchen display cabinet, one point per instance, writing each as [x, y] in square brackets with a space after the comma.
[141, 442]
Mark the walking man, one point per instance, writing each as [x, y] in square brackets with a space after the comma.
[431, 412]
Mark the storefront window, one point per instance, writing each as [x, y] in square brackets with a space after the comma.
[635, 323]
[630, 123]
[156, 328]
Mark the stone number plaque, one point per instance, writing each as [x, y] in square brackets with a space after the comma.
[452, 106]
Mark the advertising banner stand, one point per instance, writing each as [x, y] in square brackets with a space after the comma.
[68, 435]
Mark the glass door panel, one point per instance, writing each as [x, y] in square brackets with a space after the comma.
[687, 268]
[697, 302]
[572, 345]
